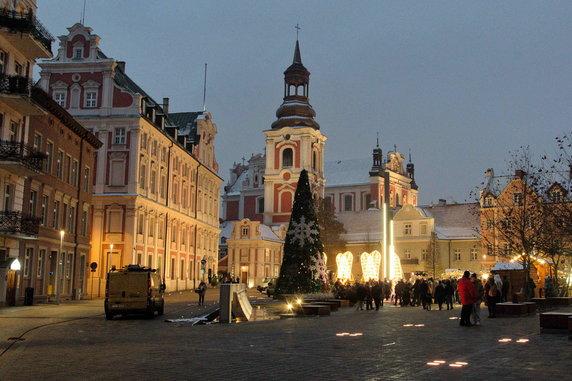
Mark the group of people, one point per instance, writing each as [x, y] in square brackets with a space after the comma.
[472, 293]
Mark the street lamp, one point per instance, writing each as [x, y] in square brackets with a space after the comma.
[58, 267]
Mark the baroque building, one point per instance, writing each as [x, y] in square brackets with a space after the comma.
[156, 188]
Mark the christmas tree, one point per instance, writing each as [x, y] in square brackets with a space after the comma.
[303, 269]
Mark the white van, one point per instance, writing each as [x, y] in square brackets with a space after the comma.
[133, 290]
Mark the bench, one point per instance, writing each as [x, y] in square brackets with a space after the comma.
[312, 309]
[560, 300]
[555, 320]
[512, 309]
[333, 305]
[341, 302]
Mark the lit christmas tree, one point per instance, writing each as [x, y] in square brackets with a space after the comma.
[303, 269]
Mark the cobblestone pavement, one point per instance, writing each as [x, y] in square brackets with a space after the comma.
[392, 344]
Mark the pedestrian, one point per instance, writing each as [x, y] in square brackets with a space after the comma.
[416, 293]
[531, 287]
[386, 290]
[361, 294]
[467, 295]
[449, 292]
[376, 292]
[440, 294]
[479, 293]
[423, 291]
[368, 297]
[491, 295]
[202, 291]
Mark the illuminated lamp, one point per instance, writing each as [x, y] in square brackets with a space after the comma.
[15, 265]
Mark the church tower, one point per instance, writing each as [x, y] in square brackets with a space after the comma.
[293, 143]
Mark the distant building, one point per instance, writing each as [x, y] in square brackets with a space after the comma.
[156, 188]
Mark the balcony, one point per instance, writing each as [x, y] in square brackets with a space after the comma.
[20, 159]
[15, 93]
[18, 225]
[25, 32]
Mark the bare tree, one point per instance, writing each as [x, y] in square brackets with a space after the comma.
[433, 260]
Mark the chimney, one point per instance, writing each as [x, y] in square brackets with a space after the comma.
[442, 202]
[166, 106]
[121, 65]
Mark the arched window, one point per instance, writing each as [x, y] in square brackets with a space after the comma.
[287, 157]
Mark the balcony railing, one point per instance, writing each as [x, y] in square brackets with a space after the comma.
[18, 152]
[26, 23]
[15, 84]
[18, 223]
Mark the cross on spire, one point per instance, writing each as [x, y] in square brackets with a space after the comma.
[297, 27]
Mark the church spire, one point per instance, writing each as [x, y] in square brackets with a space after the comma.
[297, 55]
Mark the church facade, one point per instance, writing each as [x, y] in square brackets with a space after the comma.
[262, 190]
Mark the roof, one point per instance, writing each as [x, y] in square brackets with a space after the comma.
[225, 230]
[507, 266]
[186, 122]
[239, 185]
[347, 172]
[268, 234]
[456, 221]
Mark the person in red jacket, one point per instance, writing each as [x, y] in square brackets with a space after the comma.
[468, 297]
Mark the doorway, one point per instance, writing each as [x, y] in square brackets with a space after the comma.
[11, 285]
[244, 277]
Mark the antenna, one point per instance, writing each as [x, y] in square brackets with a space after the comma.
[205, 91]
[83, 13]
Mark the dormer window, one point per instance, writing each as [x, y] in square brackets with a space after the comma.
[556, 196]
[488, 202]
[244, 232]
[517, 199]
[78, 53]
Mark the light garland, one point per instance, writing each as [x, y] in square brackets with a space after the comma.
[344, 262]
[370, 265]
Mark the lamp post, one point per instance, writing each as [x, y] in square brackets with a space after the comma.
[58, 267]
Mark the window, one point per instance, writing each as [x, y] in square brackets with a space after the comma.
[86, 176]
[3, 61]
[14, 131]
[142, 176]
[556, 196]
[60, 165]
[505, 223]
[82, 267]
[424, 254]
[49, 157]
[119, 136]
[489, 224]
[182, 269]
[161, 230]
[245, 232]
[153, 182]
[84, 223]
[507, 251]
[75, 168]
[117, 172]
[37, 142]
[314, 160]
[150, 261]
[78, 53]
[422, 228]
[407, 230]
[68, 169]
[474, 254]
[41, 259]
[367, 201]
[18, 69]
[517, 199]
[140, 223]
[144, 141]
[8, 190]
[164, 154]
[183, 236]
[173, 233]
[28, 257]
[163, 186]
[151, 227]
[69, 264]
[60, 98]
[90, 99]
[407, 254]
[45, 204]
[176, 192]
[172, 268]
[489, 249]
[56, 214]
[348, 203]
[287, 157]
[154, 148]
[488, 201]
[457, 254]
[71, 220]
[33, 202]
[260, 205]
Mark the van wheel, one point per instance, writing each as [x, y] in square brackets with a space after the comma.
[150, 313]
[108, 316]
[161, 310]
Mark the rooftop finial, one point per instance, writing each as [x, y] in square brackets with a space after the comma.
[297, 27]
[395, 148]
[410, 155]
[377, 140]
[297, 55]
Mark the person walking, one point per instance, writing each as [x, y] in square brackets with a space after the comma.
[361, 294]
[449, 292]
[376, 292]
[440, 294]
[491, 295]
[423, 291]
[368, 297]
[479, 294]
[467, 295]
[202, 291]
